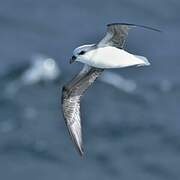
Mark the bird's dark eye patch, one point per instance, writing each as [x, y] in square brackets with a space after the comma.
[82, 52]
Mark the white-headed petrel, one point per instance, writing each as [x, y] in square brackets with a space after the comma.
[108, 53]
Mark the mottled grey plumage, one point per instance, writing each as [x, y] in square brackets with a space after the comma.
[115, 36]
[72, 91]
[117, 33]
[71, 102]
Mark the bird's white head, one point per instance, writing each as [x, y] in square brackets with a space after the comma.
[80, 52]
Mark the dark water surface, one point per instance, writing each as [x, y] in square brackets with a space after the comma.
[127, 134]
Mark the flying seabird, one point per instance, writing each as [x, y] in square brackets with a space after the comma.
[108, 53]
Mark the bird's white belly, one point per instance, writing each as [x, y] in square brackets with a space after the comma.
[111, 57]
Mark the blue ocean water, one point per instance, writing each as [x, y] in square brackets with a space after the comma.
[131, 129]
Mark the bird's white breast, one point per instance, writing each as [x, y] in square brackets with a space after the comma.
[111, 57]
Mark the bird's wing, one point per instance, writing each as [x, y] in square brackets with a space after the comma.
[71, 95]
[117, 33]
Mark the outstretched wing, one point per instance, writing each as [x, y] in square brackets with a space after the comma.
[117, 33]
[71, 95]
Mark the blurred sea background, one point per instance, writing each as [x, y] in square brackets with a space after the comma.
[130, 117]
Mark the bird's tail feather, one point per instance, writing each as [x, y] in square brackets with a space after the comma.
[144, 61]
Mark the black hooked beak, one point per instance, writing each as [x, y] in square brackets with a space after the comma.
[73, 58]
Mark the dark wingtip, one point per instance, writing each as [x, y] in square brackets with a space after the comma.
[81, 152]
[135, 25]
[78, 148]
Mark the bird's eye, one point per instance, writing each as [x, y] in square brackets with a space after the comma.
[82, 52]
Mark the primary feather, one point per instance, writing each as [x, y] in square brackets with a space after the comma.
[71, 95]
